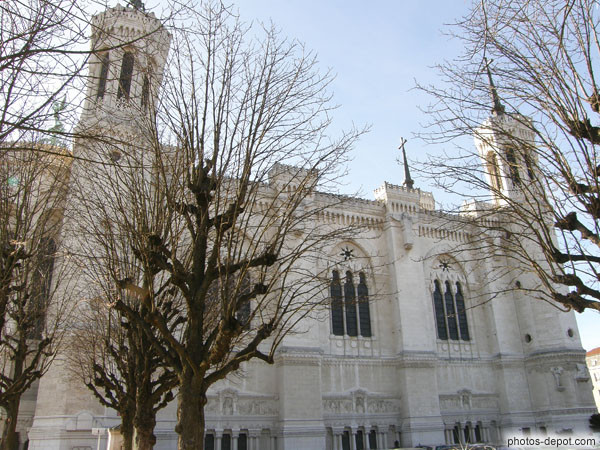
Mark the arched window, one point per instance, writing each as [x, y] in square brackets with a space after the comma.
[450, 313]
[350, 305]
[103, 76]
[462, 313]
[494, 171]
[513, 166]
[529, 165]
[440, 313]
[363, 306]
[145, 91]
[125, 76]
[450, 307]
[337, 305]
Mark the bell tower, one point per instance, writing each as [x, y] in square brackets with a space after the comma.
[129, 50]
[506, 146]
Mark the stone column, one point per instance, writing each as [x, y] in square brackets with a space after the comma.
[254, 440]
[218, 437]
[234, 439]
[381, 440]
[273, 440]
[353, 439]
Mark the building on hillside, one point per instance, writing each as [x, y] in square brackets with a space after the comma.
[418, 360]
[592, 358]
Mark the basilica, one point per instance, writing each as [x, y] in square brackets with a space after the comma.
[407, 350]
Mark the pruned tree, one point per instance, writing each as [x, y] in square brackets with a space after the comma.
[526, 89]
[217, 199]
[32, 194]
[113, 356]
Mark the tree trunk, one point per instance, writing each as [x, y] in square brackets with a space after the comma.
[127, 430]
[145, 418]
[10, 440]
[191, 400]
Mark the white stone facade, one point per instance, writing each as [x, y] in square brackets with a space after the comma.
[507, 365]
[592, 359]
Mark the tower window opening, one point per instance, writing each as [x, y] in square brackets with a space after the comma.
[103, 76]
[125, 76]
[513, 166]
[494, 172]
[145, 91]
[529, 165]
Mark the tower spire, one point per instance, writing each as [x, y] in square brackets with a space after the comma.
[498, 108]
[408, 181]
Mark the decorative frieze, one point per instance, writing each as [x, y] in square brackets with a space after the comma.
[229, 402]
[360, 402]
[465, 400]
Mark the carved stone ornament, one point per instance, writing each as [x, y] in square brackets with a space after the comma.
[582, 373]
[360, 402]
[556, 373]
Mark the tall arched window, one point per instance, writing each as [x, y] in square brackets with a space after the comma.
[494, 171]
[363, 306]
[103, 76]
[337, 305]
[513, 166]
[462, 314]
[529, 165]
[145, 91]
[440, 312]
[449, 306]
[450, 313]
[350, 309]
[350, 304]
[125, 76]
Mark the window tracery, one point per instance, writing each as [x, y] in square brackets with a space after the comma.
[449, 306]
[350, 310]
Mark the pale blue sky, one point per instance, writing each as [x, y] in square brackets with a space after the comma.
[377, 50]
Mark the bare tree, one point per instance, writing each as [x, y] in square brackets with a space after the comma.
[40, 58]
[114, 357]
[525, 88]
[217, 200]
[32, 194]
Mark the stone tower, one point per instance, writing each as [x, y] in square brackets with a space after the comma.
[129, 49]
[542, 375]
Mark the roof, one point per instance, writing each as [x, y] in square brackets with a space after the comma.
[593, 352]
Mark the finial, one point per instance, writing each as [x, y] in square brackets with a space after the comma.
[408, 181]
[498, 108]
[137, 4]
